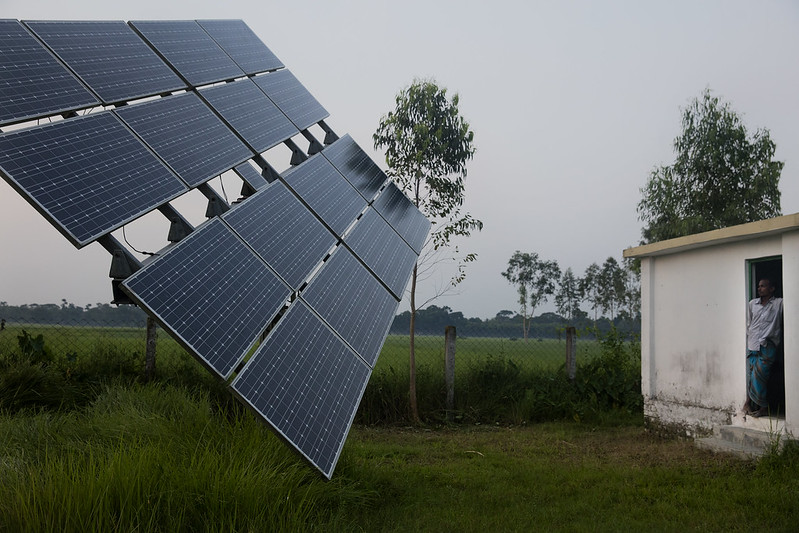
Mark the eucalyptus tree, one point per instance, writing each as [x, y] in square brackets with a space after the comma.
[721, 175]
[427, 144]
[590, 288]
[611, 287]
[534, 280]
[568, 295]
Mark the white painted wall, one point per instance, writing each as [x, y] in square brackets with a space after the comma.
[693, 331]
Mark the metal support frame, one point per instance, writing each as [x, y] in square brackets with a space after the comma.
[330, 135]
[315, 146]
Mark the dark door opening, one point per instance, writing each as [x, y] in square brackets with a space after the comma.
[771, 268]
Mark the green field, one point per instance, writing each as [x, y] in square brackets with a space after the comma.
[83, 341]
[544, 354]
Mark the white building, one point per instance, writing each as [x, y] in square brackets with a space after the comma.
[694, 291]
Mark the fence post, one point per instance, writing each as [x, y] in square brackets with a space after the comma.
[571, 352]
[449, 370]
[149, 352]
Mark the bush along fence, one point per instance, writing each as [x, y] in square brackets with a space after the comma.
[492, 379]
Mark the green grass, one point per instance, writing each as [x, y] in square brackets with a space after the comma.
[563, 477]
[85, 341]
[156, 458]
[162, 458]
[544, 354]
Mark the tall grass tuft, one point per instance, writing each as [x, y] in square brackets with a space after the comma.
[158, 458]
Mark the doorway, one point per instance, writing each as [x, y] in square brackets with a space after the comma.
[771, 268]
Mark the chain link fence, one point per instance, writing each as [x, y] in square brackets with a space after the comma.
[86, 332]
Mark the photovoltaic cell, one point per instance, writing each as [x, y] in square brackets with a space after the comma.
[211, 293]
[357, 167]
[190, 50]
[379, 246]
[353, 302]
[33, 83]
[242, 45]
[403, 216]
[109, 57]
[307, 385]
[250, 113]
[250, 175]
[282, 231]
[326, 192]
[292, 98]
[187, 135]
[87, 175]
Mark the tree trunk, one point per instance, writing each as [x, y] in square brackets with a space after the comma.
[412, 360]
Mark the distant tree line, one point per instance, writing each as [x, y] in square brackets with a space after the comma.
[612, 289]
[100, 314]
[506, 324]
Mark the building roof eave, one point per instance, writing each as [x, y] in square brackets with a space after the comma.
[740, 232]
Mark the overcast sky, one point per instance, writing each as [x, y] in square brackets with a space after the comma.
[572, 105]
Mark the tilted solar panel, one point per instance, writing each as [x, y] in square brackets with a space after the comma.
[190, 50]
[403, 216]
[357, 167]
[242, 45]
[87, 175]
[109, 57]
[307, 384]
[379, 246]
[273, 262]
[282, 231]
[250, 113]
[251, 176]
[211, 293]
[187, 135]
[353, 302]
[326, 192]
[33, 83]
[292, 98]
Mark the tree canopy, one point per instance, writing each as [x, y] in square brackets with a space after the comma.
[721, 175]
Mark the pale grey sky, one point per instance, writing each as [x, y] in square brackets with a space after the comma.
[572, 105]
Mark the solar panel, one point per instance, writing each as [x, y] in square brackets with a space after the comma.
[403, 216]
[187, 135]
[357, 167]
[292, 98]
[33, 83]
[353, 302]
[87, 175]
[379, 246]
[242, 45]
[282, 231]
[250, 113]
[109, 57]
[326, 192]
[212, 294]
[250, 176]
[306, 383]
[190, 50]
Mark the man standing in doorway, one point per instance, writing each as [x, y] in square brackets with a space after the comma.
[763, 335]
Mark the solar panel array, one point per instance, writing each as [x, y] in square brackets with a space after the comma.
[109, 58]
[34, 84]
[189, 50]
[289, 294]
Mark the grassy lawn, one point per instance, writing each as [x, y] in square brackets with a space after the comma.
[161, 458]
[563, 477]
